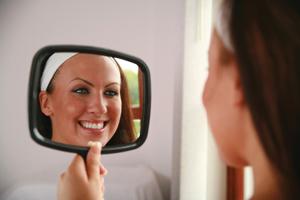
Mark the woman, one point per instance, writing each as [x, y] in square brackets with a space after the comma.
[84, 97]
[252, 93]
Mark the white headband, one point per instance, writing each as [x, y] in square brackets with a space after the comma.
[221, 22]
[52, 64]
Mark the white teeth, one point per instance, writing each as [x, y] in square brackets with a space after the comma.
[92, 125]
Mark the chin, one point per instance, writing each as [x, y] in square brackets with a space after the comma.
[235, 162]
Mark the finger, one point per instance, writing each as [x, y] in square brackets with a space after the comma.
[102, 185]
[93, 160]
[102, 188]
[77, 169]
[103, 170]
[60, 185]
[62, 175]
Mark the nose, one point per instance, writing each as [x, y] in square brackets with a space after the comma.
[98, 105]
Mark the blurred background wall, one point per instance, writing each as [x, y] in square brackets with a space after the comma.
[150, 29]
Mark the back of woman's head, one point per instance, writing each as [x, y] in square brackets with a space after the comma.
[265, 38]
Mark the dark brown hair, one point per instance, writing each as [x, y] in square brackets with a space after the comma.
[265, 36]
[125, 132]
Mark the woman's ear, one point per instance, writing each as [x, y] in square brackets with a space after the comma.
[45, 103]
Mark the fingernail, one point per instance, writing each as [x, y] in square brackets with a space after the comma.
[96, 148]
[99, 145]
[90, 143]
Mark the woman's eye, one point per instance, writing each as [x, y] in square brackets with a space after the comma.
[111, 93]
[81, 91]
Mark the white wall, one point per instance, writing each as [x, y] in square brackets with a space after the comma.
[202, 173]
[248, 183]
[150, 29]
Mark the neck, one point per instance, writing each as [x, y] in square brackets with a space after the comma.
[266, 180]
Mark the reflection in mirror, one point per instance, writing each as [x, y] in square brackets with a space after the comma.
[90, 97]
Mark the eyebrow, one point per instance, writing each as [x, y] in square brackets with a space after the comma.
[113, 83]
[80, 79]
[91, 84]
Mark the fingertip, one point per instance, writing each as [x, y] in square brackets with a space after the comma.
[76, 163]
[90, 143]
[99, 145]
[62, 175]
[95, 147]
[77, 159]
[105, 172]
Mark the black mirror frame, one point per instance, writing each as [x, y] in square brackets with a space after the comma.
[37, 68]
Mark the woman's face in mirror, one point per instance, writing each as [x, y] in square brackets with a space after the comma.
[85, 102]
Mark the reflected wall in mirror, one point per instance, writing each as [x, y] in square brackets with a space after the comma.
[89, 97]
[79, 94]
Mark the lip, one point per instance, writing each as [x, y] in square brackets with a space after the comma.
[93, 126]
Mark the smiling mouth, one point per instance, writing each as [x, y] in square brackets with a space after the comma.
[97, 126]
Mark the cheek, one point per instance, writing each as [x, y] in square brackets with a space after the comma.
[225, 130]
[115, 108]
[228, 134]
[71, 108]
[212, 107]
[231, 148]
[75, 110]
[223, 119]
[206, 93]
[211, 97]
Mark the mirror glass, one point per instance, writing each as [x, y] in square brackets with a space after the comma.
[90, 97]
